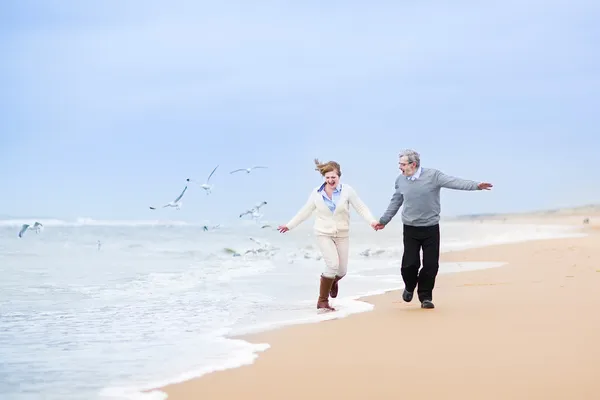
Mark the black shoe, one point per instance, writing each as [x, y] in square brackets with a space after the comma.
[427, 304]
[407, 296]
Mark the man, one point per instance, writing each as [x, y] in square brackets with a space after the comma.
[419, 190]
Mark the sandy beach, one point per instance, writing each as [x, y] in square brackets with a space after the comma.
[529, 329]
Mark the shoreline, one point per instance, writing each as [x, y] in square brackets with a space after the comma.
[380, 302]
[448, 256]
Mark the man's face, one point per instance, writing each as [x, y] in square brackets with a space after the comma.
[408, 169]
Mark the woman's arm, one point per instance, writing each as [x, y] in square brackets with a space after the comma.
[303, 214]
[361, 207]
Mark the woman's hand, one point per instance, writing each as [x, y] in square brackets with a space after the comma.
[377, 225]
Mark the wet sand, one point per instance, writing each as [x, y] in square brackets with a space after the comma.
[527, 330]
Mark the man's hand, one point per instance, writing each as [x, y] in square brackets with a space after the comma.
[377, 226]
[282, 228]
[485, 186]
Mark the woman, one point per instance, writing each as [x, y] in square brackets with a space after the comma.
[331, 204]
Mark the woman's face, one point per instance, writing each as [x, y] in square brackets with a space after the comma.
[332, 178]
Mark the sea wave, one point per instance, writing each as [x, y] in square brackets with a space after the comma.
[84, 221]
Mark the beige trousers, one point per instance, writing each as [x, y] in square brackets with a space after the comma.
[335, 254]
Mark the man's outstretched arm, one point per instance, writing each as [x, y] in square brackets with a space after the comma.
[452, 182]
[393, 207]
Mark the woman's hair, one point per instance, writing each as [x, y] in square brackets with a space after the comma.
[329, 166]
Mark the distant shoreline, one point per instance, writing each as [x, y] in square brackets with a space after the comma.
[586, 210]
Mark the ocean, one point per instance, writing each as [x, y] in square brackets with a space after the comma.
[105, 309]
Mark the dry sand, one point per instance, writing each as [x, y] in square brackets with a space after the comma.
[527, 330]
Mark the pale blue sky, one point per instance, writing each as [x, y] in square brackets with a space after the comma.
[107, 106]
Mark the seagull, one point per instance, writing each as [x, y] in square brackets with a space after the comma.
[264, 248]
[175, 203]
[248, 170]
[369, 252]
[206, 186]
[254, 211]
[37, 227]
[264, 245]
[231, 251]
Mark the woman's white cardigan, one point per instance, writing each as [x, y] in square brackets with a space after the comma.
[336, 223]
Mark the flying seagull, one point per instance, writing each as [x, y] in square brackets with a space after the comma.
[254, 211]
[206, 227]
[231, 251]
[175, 203]
[37, 227]
[248, 170]
[206, 186]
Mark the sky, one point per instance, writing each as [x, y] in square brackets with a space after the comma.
[108, 106]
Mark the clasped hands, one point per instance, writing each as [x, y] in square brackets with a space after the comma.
[377, 225]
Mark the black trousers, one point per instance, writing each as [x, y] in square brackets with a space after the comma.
[415, 239]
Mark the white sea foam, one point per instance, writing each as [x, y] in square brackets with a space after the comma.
[242, 353]
[159, 304]
[84, 221]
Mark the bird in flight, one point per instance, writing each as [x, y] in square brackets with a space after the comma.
[247, 170]
[254, 211]
[37, 227]
[206, 186]
[175, 203]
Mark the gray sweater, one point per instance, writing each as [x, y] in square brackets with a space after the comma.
[421, 197]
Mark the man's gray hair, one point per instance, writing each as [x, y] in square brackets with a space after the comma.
[412, 156]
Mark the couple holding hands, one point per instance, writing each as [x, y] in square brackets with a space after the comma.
[418, 189]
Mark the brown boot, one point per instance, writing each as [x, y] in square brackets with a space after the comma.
[323, 302]
[334, 287]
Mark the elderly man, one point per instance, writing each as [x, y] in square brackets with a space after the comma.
[419, 190]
